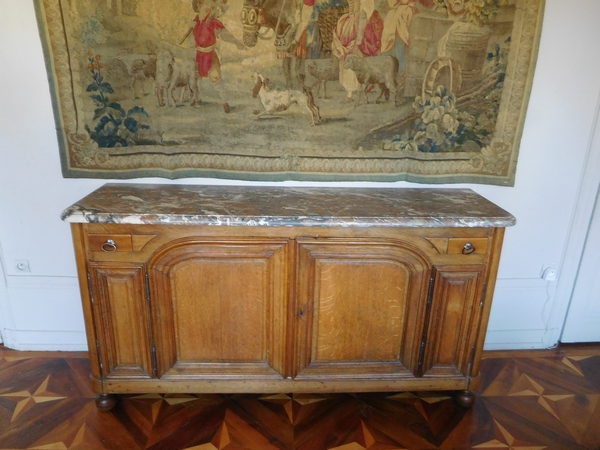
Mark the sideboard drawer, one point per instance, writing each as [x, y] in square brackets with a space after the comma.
[468, 246]
[110, 243]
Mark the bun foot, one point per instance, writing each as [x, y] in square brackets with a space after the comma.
[106, 402]
[464, 399]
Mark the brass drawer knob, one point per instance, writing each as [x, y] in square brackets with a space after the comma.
[109, 246]
[468, 249]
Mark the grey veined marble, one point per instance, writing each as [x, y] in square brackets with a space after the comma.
[286, 206]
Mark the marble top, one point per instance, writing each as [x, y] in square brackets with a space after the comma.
[286, 206]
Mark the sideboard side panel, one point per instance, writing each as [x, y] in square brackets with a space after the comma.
[453, 321]
[121, 315]
[78, 234]
[488, 295]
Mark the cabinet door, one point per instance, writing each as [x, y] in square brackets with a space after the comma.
[361, 306]
[219, 308]
[454, 320]
[122, 320]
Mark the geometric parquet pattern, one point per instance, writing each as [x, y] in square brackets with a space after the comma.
[526, 401]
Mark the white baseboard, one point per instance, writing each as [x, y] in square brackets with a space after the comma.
[46, 314]
[67, 341]
[520, 312]
[514, 340]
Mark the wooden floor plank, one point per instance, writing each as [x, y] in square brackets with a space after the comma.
[526, 400]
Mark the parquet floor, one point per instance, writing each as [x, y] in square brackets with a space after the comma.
[527, 400]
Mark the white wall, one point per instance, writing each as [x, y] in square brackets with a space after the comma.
[41, 310]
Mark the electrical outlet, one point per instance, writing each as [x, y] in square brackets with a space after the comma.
[550, 274]
[22, 265]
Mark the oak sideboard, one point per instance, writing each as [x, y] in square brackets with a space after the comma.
[239, 289]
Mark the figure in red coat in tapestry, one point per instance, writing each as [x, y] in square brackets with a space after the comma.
[357, 32]
[207, 29]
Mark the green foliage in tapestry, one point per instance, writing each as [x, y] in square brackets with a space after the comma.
[114, 127]
[443, 127]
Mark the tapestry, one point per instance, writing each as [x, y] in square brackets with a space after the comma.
[429, 91]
